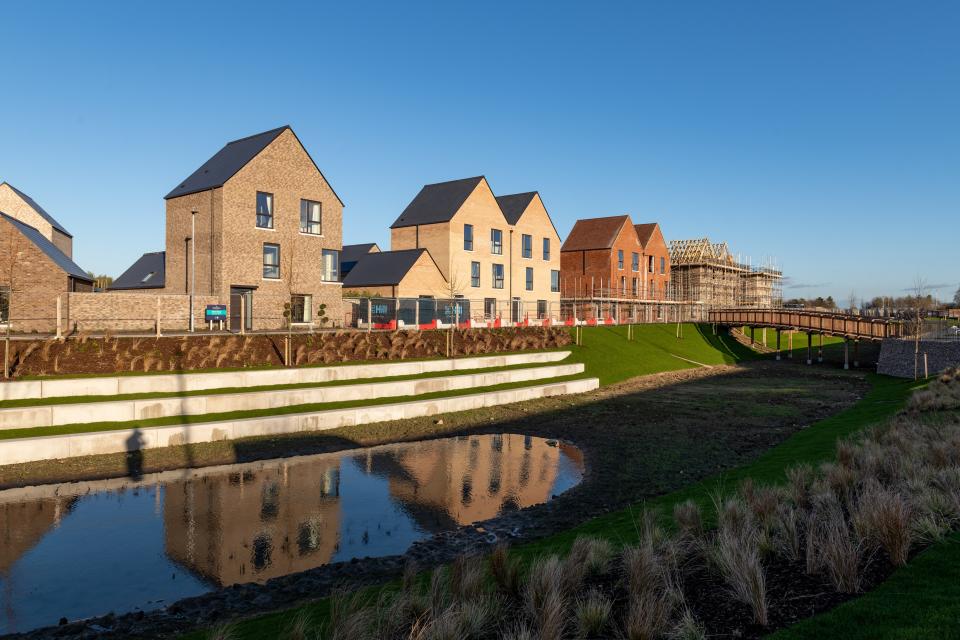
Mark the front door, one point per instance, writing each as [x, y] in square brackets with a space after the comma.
[241, 297]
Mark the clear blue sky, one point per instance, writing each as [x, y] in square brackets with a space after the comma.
[824, 133]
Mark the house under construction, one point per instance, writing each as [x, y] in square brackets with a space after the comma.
[708, 273]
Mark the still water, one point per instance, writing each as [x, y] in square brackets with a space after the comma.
[84, 549]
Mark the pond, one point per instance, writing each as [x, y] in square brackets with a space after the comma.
[78, 550]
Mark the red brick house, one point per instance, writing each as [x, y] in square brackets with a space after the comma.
[602, 257]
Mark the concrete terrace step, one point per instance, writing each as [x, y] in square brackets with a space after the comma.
[180, 382]
[145, 409]
[134, 438]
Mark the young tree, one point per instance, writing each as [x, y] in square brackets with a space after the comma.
[956, 298]
[452, 291]
[12, 255]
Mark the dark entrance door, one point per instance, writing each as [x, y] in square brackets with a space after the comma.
[241, 296]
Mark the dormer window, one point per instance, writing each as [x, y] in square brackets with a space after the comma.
[147, 277]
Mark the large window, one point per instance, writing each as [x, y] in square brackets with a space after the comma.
[271, 261]
[554, 281]
[663, 265]
[310, 217]
[330, 269]
[527, 241]
[619, 258]
[546, 248]
[264, 210]
[474, 274]
[4, 304]
[468, 237]
[301, 308]
[529, 278]
[498, 276]
[496, 242]
[635, 261]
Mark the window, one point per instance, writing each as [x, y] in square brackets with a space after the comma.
[623, 285]
[635, 261]
[498, 276]
[468, 237]
[310, 217]
[301, 308]
[633, 286]
[529, 278]
[527, 243]
[474, 274]
[330, 269]
[147, 277]
[490, 307]
[546, 248]
[663, 265]
[554, 281]
[619, 258]
[4, 304]
[650, 264]
[271, 261]
[264, 210]
[541, 309]
[496, 242]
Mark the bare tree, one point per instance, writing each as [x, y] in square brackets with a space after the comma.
[453, 290]
[15, 247]
[852, 300]
[921, 302]
[956, 298]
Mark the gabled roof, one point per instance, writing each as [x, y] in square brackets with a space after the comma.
[514, 205]
[645, 232]
[148, 272]
[40, 210]
[353, 252]
[437, 202]
[58, 257]
[594, 233]
[230, 159]
[383, 269]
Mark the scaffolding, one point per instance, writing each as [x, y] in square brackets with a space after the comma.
[708, 273]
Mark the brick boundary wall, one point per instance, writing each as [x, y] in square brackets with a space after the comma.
[119, 311]
[897, 357]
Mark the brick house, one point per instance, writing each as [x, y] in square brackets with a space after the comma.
[655, 261]
[22, 207]
[485, 256]
[408, 273]
[602, 257]
[34, 273]
[352, 253]
[262, 227]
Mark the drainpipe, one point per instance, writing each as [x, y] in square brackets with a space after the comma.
[193, 262]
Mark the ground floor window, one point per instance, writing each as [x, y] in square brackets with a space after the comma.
[490, 307]
[541, 308]
[301, 308]
[4, 304]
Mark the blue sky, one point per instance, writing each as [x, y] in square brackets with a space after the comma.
[823, 133]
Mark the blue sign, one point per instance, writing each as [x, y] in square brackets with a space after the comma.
[215, 312]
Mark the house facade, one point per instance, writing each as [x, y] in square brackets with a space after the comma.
[484, 256]
[655, 261]
[602, 258]
[262, 228]
[22, 207]
[407, 273]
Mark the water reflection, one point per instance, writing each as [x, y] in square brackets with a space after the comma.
[84, 549]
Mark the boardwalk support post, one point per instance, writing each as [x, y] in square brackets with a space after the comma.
[778, 344]
[846, 353]
[856, 353]
[809, 347]
[820, 349]
[790, 344]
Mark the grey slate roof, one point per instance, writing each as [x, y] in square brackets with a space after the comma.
[437, 202]
[58, 257]
[225, 163]
[40, 210]
[514, 205]
[135, 277]
[353, 252]
[383, 269]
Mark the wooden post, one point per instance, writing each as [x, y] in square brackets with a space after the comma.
[846, 353]
[158, 317]
[243, 315]
[6, 353]
[856, 353]
[369, 313]
[59, 316]
[820, 348]
[790, 344]
[926, 369]
[809, 347]
[778, 344]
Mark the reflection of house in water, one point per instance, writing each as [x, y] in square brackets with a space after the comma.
[23, 525]
[256, 524]
[446, 483]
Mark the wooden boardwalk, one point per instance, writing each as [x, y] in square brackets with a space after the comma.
[834, 324]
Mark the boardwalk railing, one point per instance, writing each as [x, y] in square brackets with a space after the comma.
[837, 324]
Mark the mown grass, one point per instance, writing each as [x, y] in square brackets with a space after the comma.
[814, 444]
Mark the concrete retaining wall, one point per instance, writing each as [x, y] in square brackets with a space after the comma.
[128, 410]
[88, 444]
[180, 382]
[897, 357]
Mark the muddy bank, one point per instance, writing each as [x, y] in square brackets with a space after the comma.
[641, 438]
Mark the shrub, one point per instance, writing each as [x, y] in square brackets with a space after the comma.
[882, 517]
[593, 613]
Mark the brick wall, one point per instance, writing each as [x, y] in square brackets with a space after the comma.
[34, 282]
[120, 311]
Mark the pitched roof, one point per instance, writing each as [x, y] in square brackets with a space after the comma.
[40, 210]
[514, 205]
[382, 269]
[353, 252]
[230, 159]
[437, 202]
[148, 272]
[645, 232]
[594, 233]
[58, 257]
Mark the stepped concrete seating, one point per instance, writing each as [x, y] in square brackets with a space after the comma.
[20, 450]
[180, 382]
[127, 410]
